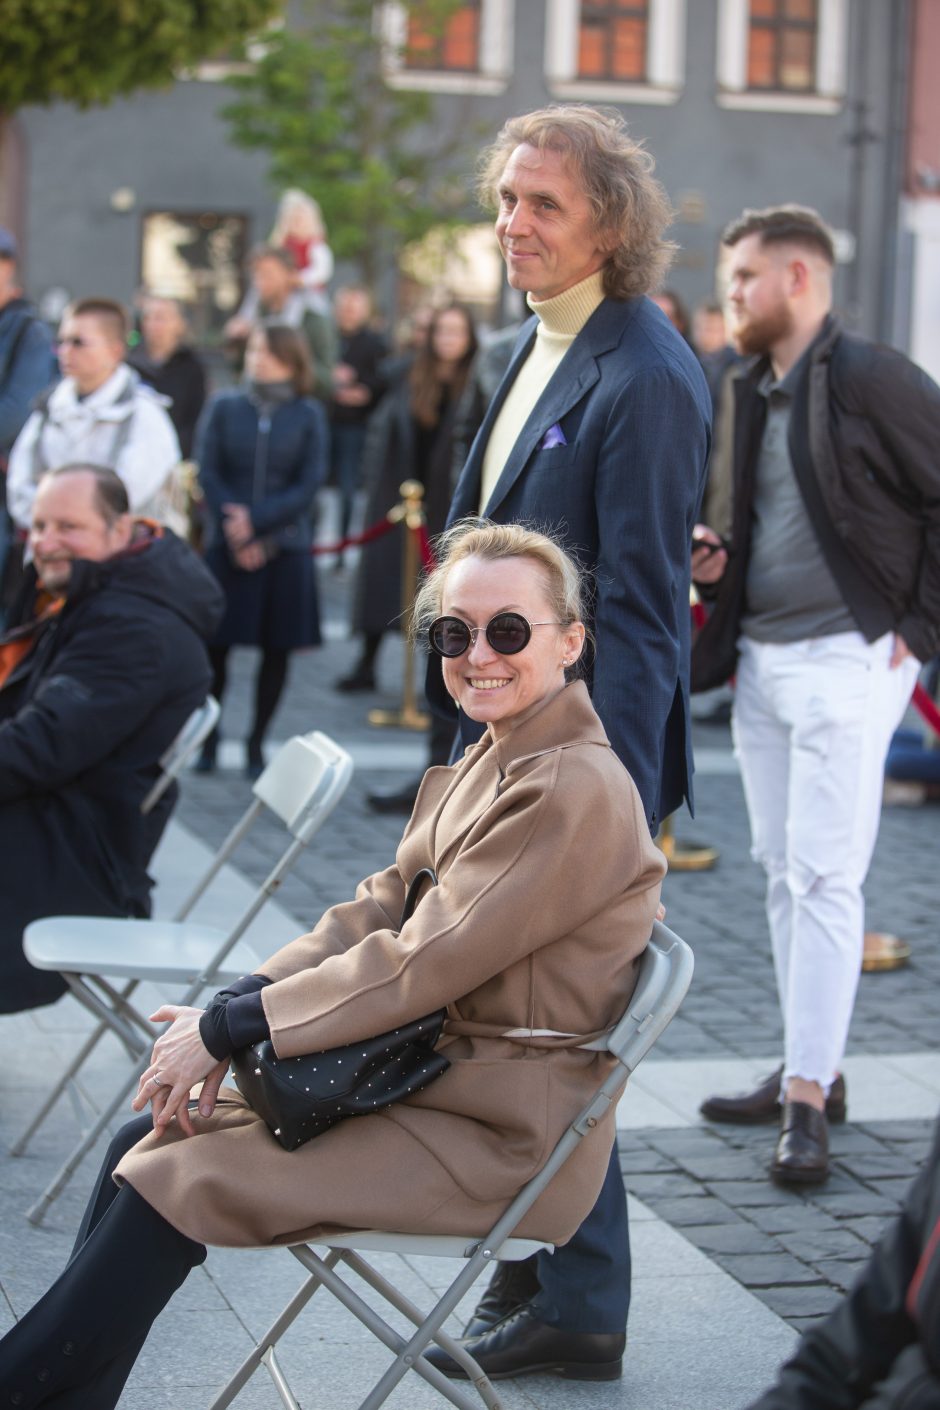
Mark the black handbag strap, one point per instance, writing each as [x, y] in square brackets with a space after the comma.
[414, 886]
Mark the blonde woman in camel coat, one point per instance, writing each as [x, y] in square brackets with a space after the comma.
[548, 887]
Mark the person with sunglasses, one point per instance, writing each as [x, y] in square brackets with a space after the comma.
[100, 413]
[540, 807]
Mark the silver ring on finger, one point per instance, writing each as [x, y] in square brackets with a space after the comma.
[156, 1078]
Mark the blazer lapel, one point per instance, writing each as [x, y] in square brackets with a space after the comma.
[577, 372]
[466, 498]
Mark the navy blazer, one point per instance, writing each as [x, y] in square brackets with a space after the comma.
[623, 493]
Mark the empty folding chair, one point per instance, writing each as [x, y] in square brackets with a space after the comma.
[665, 974]
[301, 785]
[195, 731]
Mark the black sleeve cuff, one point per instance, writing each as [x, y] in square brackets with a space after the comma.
[214, 1029]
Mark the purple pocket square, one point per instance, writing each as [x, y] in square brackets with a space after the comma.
[554, 436]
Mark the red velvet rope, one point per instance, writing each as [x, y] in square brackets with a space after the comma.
[926, 708]
[428, 561]
[374, 531]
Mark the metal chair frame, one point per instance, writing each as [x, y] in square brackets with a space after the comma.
[665, 974]
[301, 785]
[195, 731]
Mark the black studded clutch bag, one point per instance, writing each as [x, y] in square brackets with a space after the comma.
[300, 1097]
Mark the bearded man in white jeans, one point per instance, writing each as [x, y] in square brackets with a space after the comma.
[827, 597]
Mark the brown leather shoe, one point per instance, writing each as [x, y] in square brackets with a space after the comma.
[762, 1105]
[802, 1154]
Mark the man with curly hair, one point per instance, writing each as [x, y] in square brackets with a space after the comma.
[599, 432]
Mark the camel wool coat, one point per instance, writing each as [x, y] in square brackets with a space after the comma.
[548, 887]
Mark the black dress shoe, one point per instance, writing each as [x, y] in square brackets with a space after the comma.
[520, 1345]
[763, 1104]
[511, 1287]
[802, 1154]
[358, 681]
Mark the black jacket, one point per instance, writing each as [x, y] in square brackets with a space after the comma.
[273, 461]
[182, 378]
[84, 719]
[864, 439]
[880, 1348]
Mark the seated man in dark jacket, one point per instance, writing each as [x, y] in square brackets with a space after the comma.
[880, 1348]
[105, 666]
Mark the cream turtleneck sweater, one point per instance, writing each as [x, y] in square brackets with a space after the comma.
[560, 321]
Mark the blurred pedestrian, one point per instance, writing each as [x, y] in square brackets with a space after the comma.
[826, 599]
[299, 228]
[713, 350]
[27, 366]
[674, 309]
[279, 300]
[358, 383]
[263, 453]
[410, 438]
[166, 361]
[101, 414]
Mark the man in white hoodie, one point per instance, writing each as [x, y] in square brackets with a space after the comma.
[99, 414]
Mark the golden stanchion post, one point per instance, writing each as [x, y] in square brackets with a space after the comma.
[411, 512]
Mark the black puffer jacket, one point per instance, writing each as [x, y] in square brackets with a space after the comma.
[84, 719]
[880, 1348]
[865, 447]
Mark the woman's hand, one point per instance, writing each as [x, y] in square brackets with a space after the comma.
[236, 525]
[179, 1060]
[250, 558]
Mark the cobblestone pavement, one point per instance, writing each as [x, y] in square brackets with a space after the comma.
[795, 1251]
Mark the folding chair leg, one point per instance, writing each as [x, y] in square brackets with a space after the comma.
[264, 1351]
[430, 1329]
[20, 1146]
[406, 1359]
[37, 1212]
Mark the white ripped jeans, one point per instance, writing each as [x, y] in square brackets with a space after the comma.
[812, 722]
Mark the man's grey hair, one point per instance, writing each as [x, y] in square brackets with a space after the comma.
[111, 499]
[630, 206]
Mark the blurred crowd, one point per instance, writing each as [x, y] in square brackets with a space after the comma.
[313, 392]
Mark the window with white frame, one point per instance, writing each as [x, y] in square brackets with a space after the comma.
[464, 47]
[616, 50]
[782, 55]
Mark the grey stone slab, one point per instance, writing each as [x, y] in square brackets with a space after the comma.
[779, 1219]
[800, 1301]
[767, 1270]
[741, 1237]
[824, 1243]
[846, 1204]
[700, 1209]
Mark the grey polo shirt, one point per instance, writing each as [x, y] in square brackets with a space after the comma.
[790, 593]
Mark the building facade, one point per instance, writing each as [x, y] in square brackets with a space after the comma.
[742, 103]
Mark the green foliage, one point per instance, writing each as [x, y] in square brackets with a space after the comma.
[318, 104]
[88, 51]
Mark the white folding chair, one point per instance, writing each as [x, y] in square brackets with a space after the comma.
[195, 731]
[665, 975]
[301, 786]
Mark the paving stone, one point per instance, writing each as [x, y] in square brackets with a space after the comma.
[742, 1237]
[800, 1301]
[869, 1228]
[825, 1244]
[839, 1272]
[846, 1204]
[697, 1210]
[780, 1219]
[744, 1194]
[768, 1270]
[663, 1186]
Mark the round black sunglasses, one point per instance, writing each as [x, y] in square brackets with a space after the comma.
[507, 632]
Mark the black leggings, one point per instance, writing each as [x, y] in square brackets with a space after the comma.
[75, 1349]
[269, 686]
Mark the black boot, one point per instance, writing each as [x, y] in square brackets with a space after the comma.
[511, 1287]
